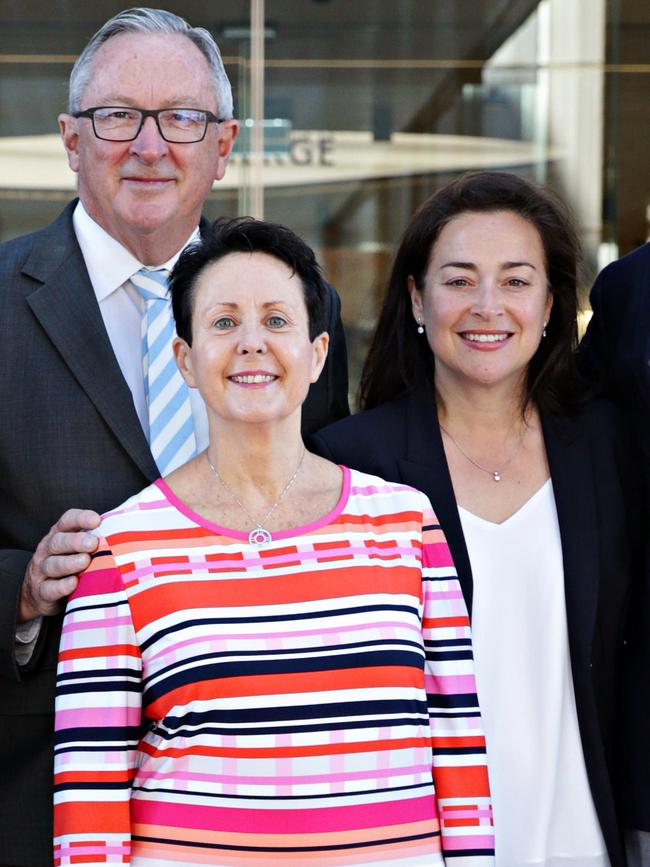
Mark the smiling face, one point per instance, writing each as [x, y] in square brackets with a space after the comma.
[147, 191]
[251, 357]
[485, 300]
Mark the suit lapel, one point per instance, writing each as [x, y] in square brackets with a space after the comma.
[425, 468]
[66, 307]
[573, 475]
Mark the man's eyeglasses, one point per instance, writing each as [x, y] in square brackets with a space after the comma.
[175, 125]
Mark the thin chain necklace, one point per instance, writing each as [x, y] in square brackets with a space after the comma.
[259, 535]
[496, 474]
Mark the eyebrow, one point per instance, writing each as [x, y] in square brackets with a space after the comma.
[233, 305]
[177, 102]
[470, 266]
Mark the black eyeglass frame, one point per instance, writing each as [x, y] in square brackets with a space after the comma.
[144, 114]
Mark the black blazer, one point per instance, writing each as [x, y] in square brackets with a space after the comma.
[69, 437]
[615, 354]
[615, 350]
[592, 470]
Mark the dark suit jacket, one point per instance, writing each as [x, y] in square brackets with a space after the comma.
[592, 470]
[69, 437]
[615, 353]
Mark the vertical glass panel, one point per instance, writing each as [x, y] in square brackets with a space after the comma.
[370, 107]
[626, 209]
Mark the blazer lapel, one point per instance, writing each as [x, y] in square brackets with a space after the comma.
[573, 474]
[425, 468]
[67, 310]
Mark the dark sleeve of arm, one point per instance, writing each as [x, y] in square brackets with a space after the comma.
[354, 442]
[318, 446]
[635, 782]
[365, 442]
[12, 572]
[596, 353]
[327, 400]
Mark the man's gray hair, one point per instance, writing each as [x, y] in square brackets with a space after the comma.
[144, 20]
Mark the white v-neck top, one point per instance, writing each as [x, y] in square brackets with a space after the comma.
[543, 810]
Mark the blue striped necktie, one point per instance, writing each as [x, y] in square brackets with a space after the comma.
[171, 426]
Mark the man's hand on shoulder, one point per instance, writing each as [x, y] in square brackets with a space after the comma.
[51, 574]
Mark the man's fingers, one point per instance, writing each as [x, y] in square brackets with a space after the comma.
[62, 566]
[63, 542]
[52, 591]
[77, 519]
[59, 557]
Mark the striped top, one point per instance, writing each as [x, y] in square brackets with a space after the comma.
[310, 701]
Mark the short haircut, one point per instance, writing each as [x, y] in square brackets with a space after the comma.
[144, 20]
[247, 235]
[552, 382]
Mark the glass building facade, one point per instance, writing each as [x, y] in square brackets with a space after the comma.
[353, 113]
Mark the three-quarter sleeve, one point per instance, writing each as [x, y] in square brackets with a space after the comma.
[98, 720]
[459, 755]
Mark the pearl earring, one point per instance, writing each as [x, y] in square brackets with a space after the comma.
[544, 329]
[420, 327]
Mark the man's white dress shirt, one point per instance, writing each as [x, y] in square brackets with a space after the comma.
[110, 267]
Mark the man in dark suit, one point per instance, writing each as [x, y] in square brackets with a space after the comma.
[149, 129]
[615, 352]
[616, 347]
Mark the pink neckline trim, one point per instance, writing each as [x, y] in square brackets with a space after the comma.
[281, 534]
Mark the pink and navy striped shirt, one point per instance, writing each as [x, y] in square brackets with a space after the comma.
[312, 701]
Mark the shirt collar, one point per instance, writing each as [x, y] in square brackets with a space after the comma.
[109, 263]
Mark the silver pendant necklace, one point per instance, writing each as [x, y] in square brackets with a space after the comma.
[259, 535]
[496, 474]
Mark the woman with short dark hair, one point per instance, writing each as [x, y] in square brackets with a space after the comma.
[268, 660]
[471, 393]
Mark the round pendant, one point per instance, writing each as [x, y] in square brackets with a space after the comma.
[497, 476]
[259, 537]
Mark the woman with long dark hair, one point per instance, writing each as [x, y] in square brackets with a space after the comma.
[472, 394]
